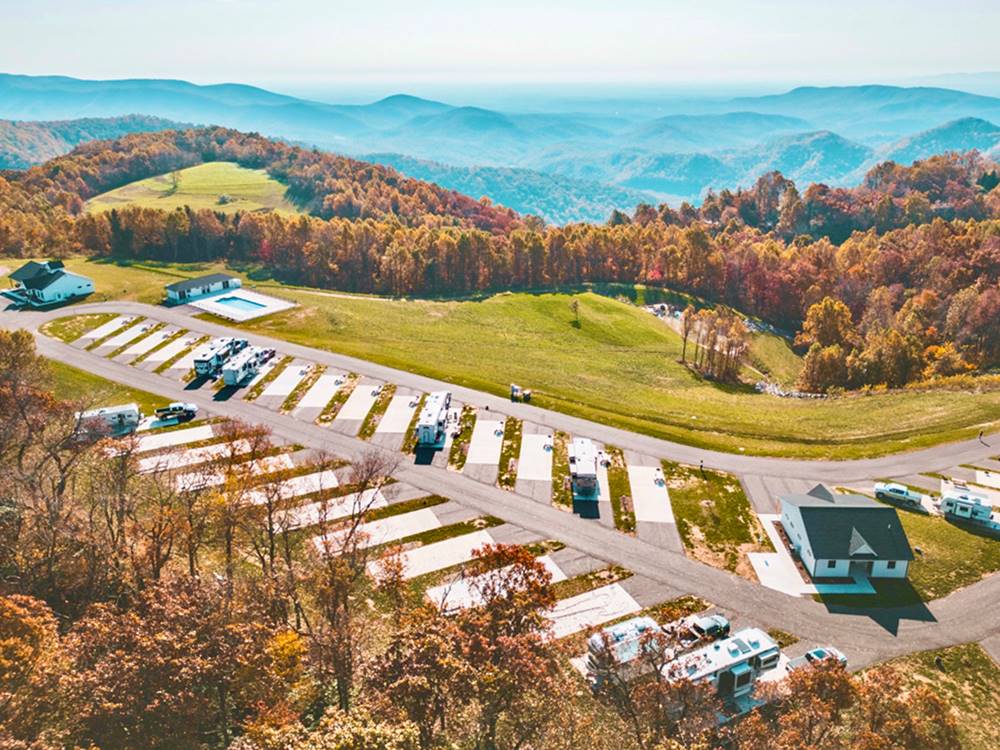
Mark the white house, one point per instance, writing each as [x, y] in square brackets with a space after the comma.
[46, 283]
[189, 289]
[843, 536]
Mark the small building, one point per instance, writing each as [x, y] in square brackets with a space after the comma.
[844, 536]
[189, 289]
[48, 283]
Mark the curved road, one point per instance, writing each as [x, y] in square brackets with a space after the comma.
[972, 614]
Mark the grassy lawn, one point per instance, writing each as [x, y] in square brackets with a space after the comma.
[620, 490]
[69, 383]
[714, 517]
[410, 440]
[618, 367]
[220, 186]
[772, 355]
[459, 450]
[509, 453]
[374, 415]
[72, 327]
[562, 490]
[967, 683]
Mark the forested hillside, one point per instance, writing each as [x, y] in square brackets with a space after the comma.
[910, 260]
[25, 143]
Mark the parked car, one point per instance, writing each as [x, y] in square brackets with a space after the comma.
[710, 626]
[817, 656]
[177, 410]
[898, 492]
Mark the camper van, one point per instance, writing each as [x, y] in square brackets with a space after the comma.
[731, 665]
[114, 420]
[212, 355]
[433, 421]
[245, 365]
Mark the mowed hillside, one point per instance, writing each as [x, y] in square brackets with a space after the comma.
[218, 186]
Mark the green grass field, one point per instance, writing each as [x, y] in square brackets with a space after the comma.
[618, 367]
[70, 383]
[966, 682]
[219, 186]
[714, 517]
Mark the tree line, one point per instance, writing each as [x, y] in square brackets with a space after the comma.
[906, 236]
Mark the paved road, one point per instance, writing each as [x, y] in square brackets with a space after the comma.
[972, 614]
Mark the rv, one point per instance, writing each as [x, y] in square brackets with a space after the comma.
[213, 354]
[114, 420]
[245, 365]
[967, 506]
[433, 420]
[583, 467]
[731, 665]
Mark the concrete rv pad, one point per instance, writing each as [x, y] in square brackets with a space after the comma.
[462, 593]
[590, 609]
[649, 495]
[443, 554]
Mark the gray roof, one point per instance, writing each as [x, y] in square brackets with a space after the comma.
[188, 284]
[42, 280]
[846, 527]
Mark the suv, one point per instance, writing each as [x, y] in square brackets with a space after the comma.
[898, 492]
[177, 410]
[710, 626]
[818, 656]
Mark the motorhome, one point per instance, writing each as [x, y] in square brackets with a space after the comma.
[245, 365]
[212, 355]
[583, 467]
[433, 421]
[731, 665]
[114, 420]
[968, 506]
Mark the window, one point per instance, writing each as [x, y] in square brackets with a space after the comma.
[831, 563]
[890, 565]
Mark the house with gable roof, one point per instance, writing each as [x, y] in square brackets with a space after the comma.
[845, 536]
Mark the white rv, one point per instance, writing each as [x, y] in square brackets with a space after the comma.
[583, 467]
[110, 419]
[731, 665]
[213, 354]
[433, 420]
[245, 365]
[969, 506]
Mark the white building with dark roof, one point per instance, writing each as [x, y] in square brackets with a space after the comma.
[845, 536]
[189, 289]
[47, 283]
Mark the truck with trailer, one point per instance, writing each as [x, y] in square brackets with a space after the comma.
[245, 365]
[210, 358]
[432, 424]
[583, 477]
[108, 420]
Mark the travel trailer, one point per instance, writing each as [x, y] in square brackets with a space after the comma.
[213, 355]
[245, 365]
[114, 420]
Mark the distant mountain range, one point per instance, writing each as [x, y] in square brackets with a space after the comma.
[25, 143]
[566, 166]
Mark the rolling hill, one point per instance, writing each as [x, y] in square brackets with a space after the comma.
[24, 143]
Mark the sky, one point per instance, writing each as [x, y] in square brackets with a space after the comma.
[302, 46]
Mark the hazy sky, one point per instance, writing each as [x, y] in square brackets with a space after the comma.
[302, 44]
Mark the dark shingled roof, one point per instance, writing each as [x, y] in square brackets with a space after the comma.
[188, 284]
[29, 270]
[42, 280]
[845, 527]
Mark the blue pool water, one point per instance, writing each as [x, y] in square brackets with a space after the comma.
[241, 304]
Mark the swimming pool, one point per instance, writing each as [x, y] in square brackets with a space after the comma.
[240, 303]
